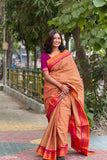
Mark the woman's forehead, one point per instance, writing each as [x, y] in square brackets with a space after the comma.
[56, 35]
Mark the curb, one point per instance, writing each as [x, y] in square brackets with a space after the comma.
[33, 104]
[1, 88]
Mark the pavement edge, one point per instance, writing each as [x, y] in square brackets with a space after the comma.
[33, 104]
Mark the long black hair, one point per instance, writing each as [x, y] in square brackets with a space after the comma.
[49, 40]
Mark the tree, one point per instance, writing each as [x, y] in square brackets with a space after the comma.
[1, 26]
[87, 21]
[96, 37]
[68, 20]
[96, 26]
[81, 17]
[29, 23]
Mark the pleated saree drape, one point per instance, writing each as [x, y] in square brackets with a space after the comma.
[66, 113]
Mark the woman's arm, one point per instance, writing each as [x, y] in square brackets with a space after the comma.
[62, 87]
[51, 80]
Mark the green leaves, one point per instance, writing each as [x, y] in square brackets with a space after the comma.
[76, 13]
[90, 115]
[95, 98]
[28, 19]
[67, 19]
[90, 15]
[54, 21]
[105, 29]
[99, 3]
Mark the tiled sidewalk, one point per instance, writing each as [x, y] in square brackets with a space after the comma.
[21, 132]
[22, 145]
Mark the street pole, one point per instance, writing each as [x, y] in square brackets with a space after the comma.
[5, 46]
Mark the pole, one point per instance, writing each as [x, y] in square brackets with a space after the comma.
[5, 51]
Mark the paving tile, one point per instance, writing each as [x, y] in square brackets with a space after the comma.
[7, 149]
[20, 136]
[98, 142]
[21, 132]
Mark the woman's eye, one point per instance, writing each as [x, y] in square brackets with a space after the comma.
[56, 38]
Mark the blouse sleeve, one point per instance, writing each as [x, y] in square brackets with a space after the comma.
[43, 63]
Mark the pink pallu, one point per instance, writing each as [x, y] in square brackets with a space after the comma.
[54, 144]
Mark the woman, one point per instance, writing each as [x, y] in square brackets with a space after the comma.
[64, 101]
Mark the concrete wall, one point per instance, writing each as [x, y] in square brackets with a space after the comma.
[33, 104]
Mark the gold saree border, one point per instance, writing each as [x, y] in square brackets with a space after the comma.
[57, 58]
[80, 144]
[52, 154]
[52, 104]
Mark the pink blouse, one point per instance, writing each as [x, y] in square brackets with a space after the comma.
[44, 58]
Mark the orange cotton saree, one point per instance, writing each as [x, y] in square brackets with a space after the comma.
[66, 113]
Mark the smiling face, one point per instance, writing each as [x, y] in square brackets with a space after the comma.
[56, 40]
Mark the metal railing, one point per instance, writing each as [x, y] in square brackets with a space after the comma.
[28, 82]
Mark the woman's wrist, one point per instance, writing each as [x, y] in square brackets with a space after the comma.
[60, 86]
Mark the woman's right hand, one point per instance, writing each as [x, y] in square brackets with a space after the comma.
[65, 88]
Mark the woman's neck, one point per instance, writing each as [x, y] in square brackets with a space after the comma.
[55, 50]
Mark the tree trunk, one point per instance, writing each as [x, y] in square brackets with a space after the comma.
[105, 77]
[81, 58]
[106, 53]
[10, 52]
[35, 59]
[66, 35]
[41, 44]
[76, 36]
[84, 64]
[27, 57]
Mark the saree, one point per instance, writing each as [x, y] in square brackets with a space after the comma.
[64, 113]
